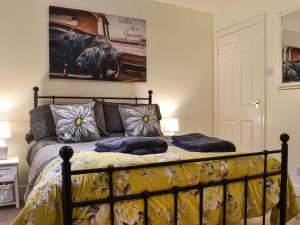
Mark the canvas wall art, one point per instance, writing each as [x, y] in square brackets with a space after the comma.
[96, 46]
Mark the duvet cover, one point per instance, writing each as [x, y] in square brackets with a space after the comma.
[44, 199]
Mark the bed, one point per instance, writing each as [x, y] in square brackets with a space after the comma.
[75, 185]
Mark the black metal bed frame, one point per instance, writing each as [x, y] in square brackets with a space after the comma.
[36, 97]
[66, 154]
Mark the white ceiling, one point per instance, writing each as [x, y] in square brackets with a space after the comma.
[203, 5]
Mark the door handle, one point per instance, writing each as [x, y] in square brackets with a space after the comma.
[256, 103]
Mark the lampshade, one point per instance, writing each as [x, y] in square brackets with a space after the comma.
[5, 129]
[170, 125]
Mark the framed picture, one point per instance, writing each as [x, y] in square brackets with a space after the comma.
[290, 47]
[96, 46]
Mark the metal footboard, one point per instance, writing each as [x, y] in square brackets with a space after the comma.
[66, 153]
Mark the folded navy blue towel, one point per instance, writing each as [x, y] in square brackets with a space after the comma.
[132, 145]
[197, 142]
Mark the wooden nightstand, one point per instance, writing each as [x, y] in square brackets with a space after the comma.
[9, 184]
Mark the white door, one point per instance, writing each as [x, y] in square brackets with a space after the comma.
[240, 85]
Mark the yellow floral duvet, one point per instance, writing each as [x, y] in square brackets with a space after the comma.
[44, 204]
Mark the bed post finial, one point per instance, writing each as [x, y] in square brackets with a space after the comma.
[35, 96]
[284, 137]
[36, 89]
[284, 177]
[66, 154]
[150, 92]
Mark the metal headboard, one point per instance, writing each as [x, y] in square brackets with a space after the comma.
[36, 97]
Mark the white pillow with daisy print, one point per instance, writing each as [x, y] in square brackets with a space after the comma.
[140, 121]
[75, 123]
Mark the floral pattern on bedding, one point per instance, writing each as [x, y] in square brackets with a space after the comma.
[45, 199]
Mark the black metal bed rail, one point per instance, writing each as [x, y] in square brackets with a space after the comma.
[67, 152]
[36, 96]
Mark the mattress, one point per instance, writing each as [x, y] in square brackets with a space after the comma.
[44, 194]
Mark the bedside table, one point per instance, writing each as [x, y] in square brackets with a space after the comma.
[9, 184]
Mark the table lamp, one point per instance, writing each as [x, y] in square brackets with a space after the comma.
[4, 133]
[170, 126]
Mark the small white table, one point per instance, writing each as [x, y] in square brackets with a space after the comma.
[9, 175]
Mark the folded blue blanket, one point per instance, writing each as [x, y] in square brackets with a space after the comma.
[132, 145]
[197, 142]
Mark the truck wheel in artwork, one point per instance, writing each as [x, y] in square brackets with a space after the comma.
[100, 68]
[89, 62]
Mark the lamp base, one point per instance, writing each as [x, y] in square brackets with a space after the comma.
[3, 150]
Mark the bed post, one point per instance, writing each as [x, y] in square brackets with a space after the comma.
[150, 92]
[284, 177]
[35, 96]
[66, 153]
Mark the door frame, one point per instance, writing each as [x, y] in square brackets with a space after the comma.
[260, 20]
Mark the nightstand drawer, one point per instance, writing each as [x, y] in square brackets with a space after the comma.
[7, 173]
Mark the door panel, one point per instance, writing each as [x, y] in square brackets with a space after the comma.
[246, 134]
[228, 89]
[246, 44]
[229, 130]
[240, 82]
[246, 82]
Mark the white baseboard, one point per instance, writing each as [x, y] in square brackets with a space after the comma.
[297, 190]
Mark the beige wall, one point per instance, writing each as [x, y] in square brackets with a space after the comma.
[179, 51]
[282, 107]
[180, 66]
